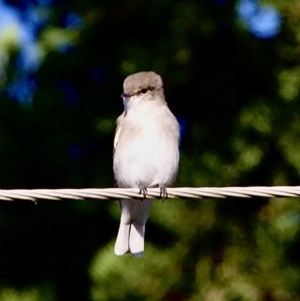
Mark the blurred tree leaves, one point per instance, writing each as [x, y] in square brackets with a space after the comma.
[236, 95]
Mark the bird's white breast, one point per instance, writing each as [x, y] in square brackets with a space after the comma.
[147, 153]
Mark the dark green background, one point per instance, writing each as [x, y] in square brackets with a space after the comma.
[237, 99]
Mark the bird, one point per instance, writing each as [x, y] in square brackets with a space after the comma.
[146, 154]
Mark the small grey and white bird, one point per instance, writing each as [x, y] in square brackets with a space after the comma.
[146, 154]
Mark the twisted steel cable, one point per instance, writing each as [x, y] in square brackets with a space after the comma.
[152, 193]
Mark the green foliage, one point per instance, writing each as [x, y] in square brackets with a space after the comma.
[239, 99]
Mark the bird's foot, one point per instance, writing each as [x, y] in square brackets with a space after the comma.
[143, 191]
[163, 192]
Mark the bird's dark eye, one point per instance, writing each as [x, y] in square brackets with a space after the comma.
[144, 90]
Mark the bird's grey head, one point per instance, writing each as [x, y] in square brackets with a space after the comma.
[143, 86]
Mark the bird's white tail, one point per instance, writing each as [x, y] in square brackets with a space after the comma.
[131, 234]
[122, 245]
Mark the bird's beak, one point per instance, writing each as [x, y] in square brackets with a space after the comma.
[125, 95]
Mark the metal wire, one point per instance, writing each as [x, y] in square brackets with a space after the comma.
[152, 193]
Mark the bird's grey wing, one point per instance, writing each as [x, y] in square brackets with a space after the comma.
[118, 130]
